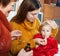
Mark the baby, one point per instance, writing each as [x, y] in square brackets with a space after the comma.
[46, 44]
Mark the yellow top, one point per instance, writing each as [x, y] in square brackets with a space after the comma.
[28, 31]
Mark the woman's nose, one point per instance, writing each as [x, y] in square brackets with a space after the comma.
[35, 16]
[12, 8]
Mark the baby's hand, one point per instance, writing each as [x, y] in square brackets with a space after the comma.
[15, 34]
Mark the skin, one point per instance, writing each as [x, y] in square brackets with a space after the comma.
[46, 31]
[6, 10]
[32, 15]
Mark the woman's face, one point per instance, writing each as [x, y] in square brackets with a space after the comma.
[8, 8]
[32, 15]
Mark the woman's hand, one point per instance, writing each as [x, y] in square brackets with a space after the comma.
[44, 42]
[40, 41]
[24, 53]
[15, 34]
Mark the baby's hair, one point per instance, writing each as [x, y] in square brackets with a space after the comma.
[43, 24]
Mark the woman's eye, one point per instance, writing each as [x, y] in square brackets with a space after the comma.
[34, 14]
[12, 5]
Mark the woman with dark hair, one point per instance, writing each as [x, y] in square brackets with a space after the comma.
[25, 7]
[26, 20]
[5, 28]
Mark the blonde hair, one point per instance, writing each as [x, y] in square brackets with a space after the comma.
[52, 24]
[43, 24]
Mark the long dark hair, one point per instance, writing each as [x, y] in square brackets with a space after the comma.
[25, 7]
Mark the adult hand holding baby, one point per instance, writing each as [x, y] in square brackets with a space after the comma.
[44, 42]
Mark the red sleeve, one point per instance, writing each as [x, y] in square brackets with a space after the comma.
[0, 31]
[5, 39]
[54, 49]
[5, 44]
[37, 36]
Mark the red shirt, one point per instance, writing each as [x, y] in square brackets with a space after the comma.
[46, 50]
[5, 36]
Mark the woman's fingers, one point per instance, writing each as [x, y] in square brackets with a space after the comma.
[24, 53]
[16, 33]
[30, 53]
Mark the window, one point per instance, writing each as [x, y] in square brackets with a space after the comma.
[40, 16]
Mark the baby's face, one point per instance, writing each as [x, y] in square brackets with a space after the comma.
[46, 31]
